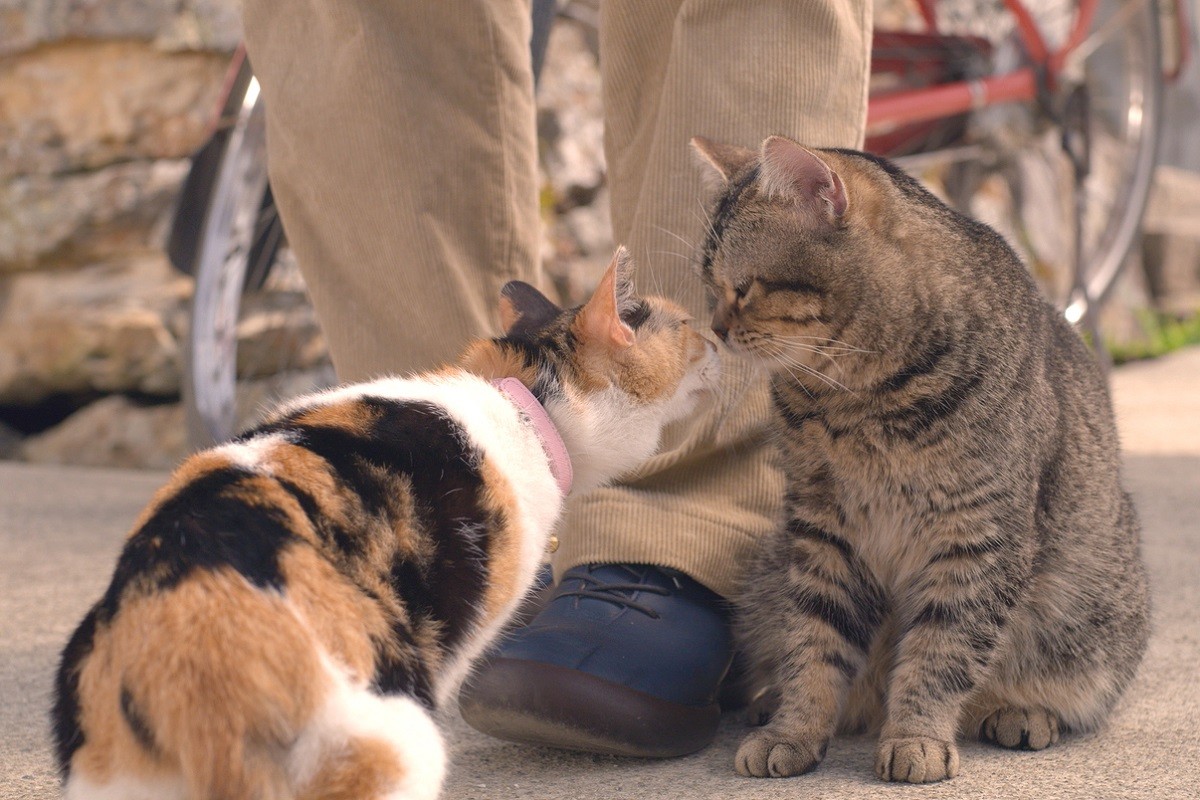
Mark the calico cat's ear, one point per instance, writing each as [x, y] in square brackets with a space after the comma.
[789, 170]
[524, 309]
[600, 318]
[724, 159]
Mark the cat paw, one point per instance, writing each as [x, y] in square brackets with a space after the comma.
[770, 754]
[1020, 728]
[916, 759]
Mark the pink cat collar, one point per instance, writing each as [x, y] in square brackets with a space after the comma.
[552, 443]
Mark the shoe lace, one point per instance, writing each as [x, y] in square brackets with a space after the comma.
[613, 592]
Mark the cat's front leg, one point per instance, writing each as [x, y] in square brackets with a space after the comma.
[808, 619]
[795, 739]
[958, 605]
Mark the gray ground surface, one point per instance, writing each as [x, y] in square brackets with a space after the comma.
[61, 528]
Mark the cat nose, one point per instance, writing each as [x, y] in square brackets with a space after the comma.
[720, 321]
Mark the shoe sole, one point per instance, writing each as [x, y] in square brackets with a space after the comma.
[542, 704]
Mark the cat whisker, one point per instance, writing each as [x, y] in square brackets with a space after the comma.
[694, 258]
[803, 348]
[794, 376]
[674, 235]
[826, 343]
[706, 217]
[686, 257]
[816, 373]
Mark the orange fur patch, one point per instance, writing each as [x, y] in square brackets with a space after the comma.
[504, 548]
[490, 361]
[349, 415]
[342, 617]
[365, 768]
[202, 665]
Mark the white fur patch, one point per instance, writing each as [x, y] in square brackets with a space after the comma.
[352, 711]
[123, 788]
[253, 454]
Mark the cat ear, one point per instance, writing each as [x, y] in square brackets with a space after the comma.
[600, 318]
[724, 159]
[789, 170]
[524, 309]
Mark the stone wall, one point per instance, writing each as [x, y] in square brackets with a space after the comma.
[101, 104]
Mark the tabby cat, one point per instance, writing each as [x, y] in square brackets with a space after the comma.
[291, 608]
[957, 555]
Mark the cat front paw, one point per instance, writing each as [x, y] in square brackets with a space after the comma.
[769, 753]
[916, 759]
[1021, 729]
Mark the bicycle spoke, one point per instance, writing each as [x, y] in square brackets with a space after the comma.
[1103, 34]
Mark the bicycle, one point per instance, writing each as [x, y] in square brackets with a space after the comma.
[991, 103]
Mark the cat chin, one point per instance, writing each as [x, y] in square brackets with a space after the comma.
[707, 376]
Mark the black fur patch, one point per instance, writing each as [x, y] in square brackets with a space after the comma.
[350, 543]
[721, 217]
[636, 317]
[972, 550]
[849, 624]
[535, 309]
[848, 671]
[136, 722]
[928, 362]
[796, 286]
[540, 350]
[204, 526]
[806, 530]
[417, 440]
[918, 418]
[64, 717]
[939, 615]
[948, 678]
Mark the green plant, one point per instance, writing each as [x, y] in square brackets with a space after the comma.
[1163, 333]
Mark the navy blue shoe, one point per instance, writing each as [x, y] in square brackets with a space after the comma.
[623, 660]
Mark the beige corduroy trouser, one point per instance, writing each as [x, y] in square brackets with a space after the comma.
[403, 156]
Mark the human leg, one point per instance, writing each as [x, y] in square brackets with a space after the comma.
[403, 158]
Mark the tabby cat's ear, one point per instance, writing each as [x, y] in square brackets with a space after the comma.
[523, 309]
[790, 171]
[724, 159]
[600, 320]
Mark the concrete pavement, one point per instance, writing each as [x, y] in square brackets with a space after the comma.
[61, 528]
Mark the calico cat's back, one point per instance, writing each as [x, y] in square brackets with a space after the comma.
[361, 538]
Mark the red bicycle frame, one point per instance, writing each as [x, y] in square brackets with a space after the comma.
[892, 114]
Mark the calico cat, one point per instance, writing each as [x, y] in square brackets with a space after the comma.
[291, 607]
[957, 553]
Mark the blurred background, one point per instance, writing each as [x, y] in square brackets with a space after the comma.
[102, 103]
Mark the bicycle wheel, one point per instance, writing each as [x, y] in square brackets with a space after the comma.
[253, 337]
[1009, 168]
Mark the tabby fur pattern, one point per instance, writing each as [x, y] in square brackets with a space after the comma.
[957, 555]
[292, 607]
